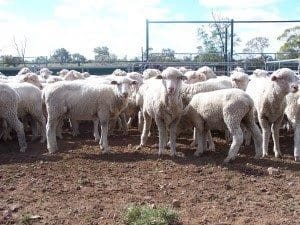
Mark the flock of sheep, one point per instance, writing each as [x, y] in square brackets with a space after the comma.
[177, 99]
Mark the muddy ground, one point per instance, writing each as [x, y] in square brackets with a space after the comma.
[79, 185]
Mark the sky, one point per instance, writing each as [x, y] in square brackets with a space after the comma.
[81, 25]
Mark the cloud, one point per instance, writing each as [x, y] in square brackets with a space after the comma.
[236, 3]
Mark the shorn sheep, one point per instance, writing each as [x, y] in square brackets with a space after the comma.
[221, 109]
[85, 101]
[162, 102]
[8, 112]
[269, 95]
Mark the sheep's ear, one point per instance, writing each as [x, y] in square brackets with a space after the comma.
[183, 78]
[158, 77]
[274, 78]
[114, 82]
[134, 82]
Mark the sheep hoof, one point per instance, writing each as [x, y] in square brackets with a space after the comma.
[265, 155]
[105, 152]
[52, 150]
[174, 154]
[193, 144]
[258, 156]
[278, 155]
[297, 158]
[97, 139]
[227, 160]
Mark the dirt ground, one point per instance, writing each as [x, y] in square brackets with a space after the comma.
[79, 185]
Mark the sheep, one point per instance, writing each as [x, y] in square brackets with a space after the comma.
[183, 70]
[209, 73]
[63, 72]
[268, 95]
[162, 102]
[30, 103]
[24, 70]
[119, 72]
[85, 101]
[31, 78]
[148, 73]
[258, 73]
[292, 112]
[73, 75]
[53, 79]
[239, 80]
[85, 74]
[8, 111]
[194, 77]
[45, 73]
[221, 109]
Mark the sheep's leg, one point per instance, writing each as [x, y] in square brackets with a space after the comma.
[266, 133]
[247, 136]
[275, 135]
[75, 127]
[124, 123]
[146, 129]
[59, 128]
[96, 129]
[200, 142]
[228, 137]
[140, 121]
[35, 132]
[162, 135]
[193, 144]
[13, 122]
[129, 122]
[40, 119]
[254, 131]
[103, 139]
[297, 142]
[173, 126]
[237, 140]
[51, 126]
[211, 144]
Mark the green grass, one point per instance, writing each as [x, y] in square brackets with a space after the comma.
[146, 215]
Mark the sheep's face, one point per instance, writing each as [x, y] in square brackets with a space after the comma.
[286, 79]
[123, 86]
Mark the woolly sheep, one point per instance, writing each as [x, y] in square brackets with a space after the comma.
[73, 75]
[24, 70]
[30, 103]
[149, 73]
[31, 78]
[163, 103]
[96, 101]
[292, 112]
[194, 77]
[8, 112]
[223, 109]
[269, 95]
[45, 73]
[63, 72]
[239, 80]
[209, 73]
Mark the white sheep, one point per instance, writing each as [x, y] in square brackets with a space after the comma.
[163, 103]
[73, 75]
[194, 77]
[8, 112]
[30, 103]
[292, 112]
[31, 78]
[259, 73]
[63, 72]
[24, 70]
[84, 101]
[222, 109]
[45, 73]
[209, 73]
[239, 80]
[269, 95]
[149, 73]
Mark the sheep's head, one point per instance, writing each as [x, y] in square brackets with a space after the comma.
[119, 72]
[24, 70]
[123, 86]
[239, 80]
[209, 73]
[194, 77]
[286, 79]
[172, 80]
[32, 78]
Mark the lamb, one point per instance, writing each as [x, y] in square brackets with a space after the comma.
[209, 73]
[220, 109]
[85, 101]
[149, 73]
[163, 103]
[292, 112]
[73, 75]
[30, 103]
[24, 70]
[258, 73]
[269, 95]
[194, 77]
[63, 72]
[8, 112]
[239, 80]
[45, 73]
[31, 78]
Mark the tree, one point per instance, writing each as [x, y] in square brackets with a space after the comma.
[257, 45]
[41, 60]
[61, 56]
[167, 55]
[213, 40]
[102, 55]
[291, 36]
[9, 60]
[20, 48]
[78, 58]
